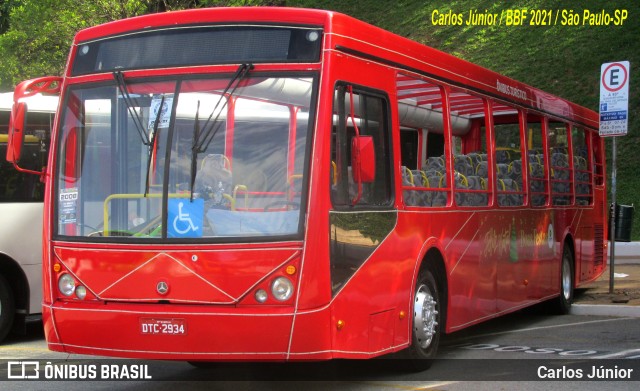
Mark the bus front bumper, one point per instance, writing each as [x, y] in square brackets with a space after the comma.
[187, 332]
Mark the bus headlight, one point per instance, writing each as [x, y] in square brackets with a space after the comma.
[81, 292]
[282, 288]
[66, 284]
[261, 296]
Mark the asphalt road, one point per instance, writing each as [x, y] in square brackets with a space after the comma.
[521, 351]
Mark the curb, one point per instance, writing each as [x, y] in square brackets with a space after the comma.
[605, 310]
[626, 252]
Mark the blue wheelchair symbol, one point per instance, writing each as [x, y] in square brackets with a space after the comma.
[185, 218]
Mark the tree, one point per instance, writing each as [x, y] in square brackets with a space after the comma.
[35, 35]
[39, 36]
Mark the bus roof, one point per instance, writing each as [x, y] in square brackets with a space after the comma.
[354, 37]
[36, 103]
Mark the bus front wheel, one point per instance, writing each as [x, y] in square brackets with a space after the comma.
[7, 308]
[426, 322]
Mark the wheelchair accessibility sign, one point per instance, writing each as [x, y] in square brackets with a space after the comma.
[185, 218]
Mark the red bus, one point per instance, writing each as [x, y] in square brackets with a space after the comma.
[294, 184]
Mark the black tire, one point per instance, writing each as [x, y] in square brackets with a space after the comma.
[426, 322]
[562, 304]
[7, 308]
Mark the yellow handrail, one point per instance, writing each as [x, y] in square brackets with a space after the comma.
[28, 139]
[133, 197]
[235, 196]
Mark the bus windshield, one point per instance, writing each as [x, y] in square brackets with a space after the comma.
[184, 158]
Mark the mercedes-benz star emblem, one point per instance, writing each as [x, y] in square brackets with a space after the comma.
[162, 288]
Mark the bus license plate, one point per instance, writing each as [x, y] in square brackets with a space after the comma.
[151, 326]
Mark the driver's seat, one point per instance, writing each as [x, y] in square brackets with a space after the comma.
[214, 179]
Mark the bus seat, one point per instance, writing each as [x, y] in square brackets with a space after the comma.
[438, 198]
[559, 159]
[420, 179]
[409, 179]
[464, 164]
[476, 157]
[435, 163]
[580, 163]
[536, 170]
[515, 168]
[502, 170]
[534, 157]
[503, 156]
[482, 169]
[214, 179]
[476, 199]
[461, 182]
[431, 173]
[508, 187]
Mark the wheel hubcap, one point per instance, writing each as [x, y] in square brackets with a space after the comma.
[424, 316]
[566, 279]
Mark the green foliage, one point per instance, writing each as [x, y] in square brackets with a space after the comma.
[39, 37]
[374, 226]
[35, 35]
[5, 8]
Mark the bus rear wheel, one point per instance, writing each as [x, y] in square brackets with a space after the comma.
[562, 304]
[7, 308]
[426, 323]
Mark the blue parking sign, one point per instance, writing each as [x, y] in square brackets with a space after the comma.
[186, 218]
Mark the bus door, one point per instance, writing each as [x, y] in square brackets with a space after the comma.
[362, 214]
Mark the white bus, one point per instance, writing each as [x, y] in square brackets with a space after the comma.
[21, 197]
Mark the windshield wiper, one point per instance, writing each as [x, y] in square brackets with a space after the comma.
[194, 150]
[152, 143]
[209, 134]
[200, 144]
[122, 86]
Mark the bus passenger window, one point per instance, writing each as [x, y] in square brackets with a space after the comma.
[538, 184]
[417, 180]
[508, 157]
[420, 108]
[561, 176]
[469, 149]
[582, 165]
[597, 159]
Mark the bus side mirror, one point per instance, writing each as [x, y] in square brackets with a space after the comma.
[363, 159]
[17, 125]
[17, 121]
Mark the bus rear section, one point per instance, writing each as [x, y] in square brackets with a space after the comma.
[21, 198]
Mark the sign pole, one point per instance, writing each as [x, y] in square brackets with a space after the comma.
[614, 111]
[614, 216]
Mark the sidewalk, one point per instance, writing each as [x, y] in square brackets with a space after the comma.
[594, 298]
[626, 287]
[626, 252]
